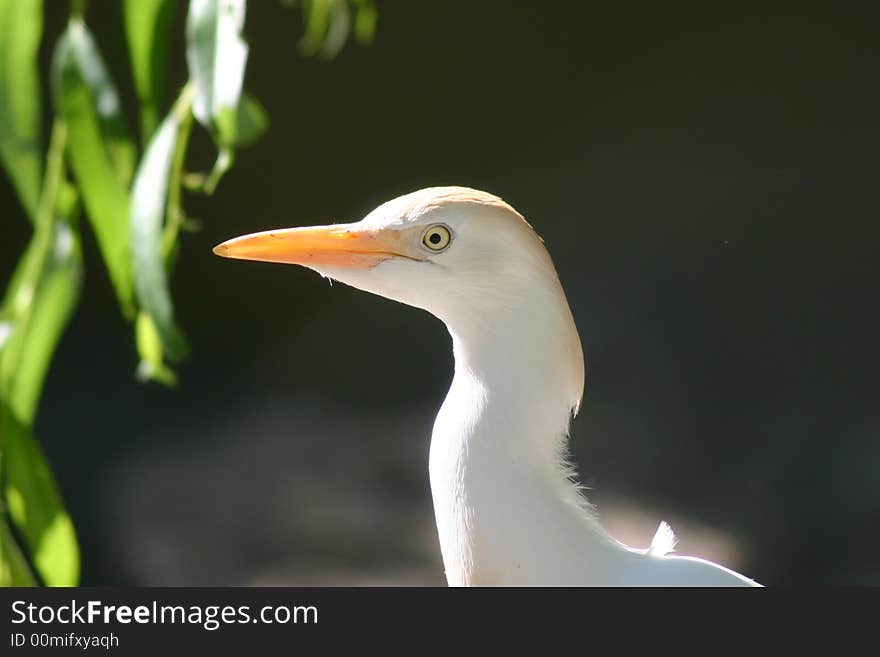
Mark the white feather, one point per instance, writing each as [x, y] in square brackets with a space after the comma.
[664, 540]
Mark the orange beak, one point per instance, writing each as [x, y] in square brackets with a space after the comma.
[342, 245]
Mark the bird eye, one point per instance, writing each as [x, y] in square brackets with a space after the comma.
[437, 237]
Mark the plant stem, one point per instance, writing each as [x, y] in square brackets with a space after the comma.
[221, 166]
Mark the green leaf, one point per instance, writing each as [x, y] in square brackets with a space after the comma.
[80, 54]
[38, 304]
[97, 150]
[317, 15]
[251, 122]
[34, 505]
[244, 125]
[42, 294]
[149, 194]
[337, 31]
[35, 316]
[366, 17]
[328, 24]
[216, 55]
[21, 26]
[149, 345]
[14, 568]
[147, 25]
[21, 287]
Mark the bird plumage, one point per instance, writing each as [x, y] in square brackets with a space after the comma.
[507, 505]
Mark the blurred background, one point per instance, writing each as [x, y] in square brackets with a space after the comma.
[706, 180]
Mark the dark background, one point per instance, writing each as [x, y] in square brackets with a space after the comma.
[706, 180]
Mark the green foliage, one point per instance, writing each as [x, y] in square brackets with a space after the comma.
[149, 195]
[132, 203]
[38, 305]
[216, 55]
[251, 121]
[328, 24]
[146, 30]
[21, 25]
[35, 509]
[36, 313]
[100, 151]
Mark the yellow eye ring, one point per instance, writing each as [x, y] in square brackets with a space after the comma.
[437, 237]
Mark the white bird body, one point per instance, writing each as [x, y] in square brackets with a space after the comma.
[507, 508]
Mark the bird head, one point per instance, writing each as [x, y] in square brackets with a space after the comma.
[452, 251]
[465, 256]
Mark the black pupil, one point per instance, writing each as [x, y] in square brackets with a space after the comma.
[434, 238]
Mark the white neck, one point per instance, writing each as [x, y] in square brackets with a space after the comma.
[498, 475]
[507, 511]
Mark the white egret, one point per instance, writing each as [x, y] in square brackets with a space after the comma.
[506, 504]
